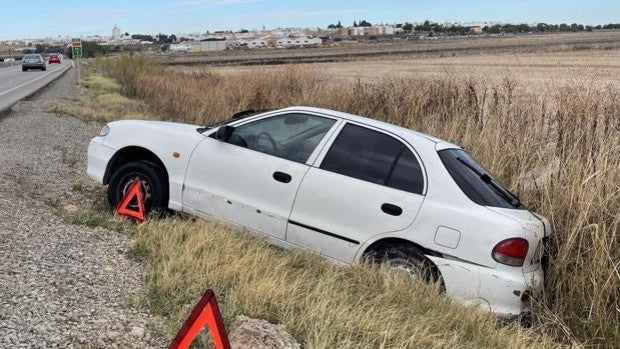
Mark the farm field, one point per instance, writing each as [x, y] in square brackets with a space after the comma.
[534, 69]
[405, 48]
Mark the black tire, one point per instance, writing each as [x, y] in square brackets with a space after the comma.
[154, 185]
[43, 69]
[24, 69]
[407, 258]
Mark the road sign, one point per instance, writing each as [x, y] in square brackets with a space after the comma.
[76, 46]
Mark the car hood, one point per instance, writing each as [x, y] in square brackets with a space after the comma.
[159, 124]
[153, 135]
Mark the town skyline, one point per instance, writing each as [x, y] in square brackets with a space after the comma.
[73, 18]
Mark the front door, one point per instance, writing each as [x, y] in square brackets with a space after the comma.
[368, 183]
[252, 179]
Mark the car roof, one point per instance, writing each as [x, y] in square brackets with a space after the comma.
[400, 131]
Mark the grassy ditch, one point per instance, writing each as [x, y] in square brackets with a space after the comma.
[568, 137]
[322, 304]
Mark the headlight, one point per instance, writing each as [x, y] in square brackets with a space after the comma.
[104, 131]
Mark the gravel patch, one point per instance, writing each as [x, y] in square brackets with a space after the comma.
[61, 285]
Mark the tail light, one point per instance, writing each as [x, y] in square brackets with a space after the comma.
[511, 251]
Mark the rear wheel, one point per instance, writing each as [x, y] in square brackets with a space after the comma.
[153, 185]
[407, 259]
[24, 69]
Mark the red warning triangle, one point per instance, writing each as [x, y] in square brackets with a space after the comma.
[206, 312]
[134, 194]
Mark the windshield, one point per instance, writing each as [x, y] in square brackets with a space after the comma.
[31, 56]
[476, 182]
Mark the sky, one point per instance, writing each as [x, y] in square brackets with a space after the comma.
[36, 18]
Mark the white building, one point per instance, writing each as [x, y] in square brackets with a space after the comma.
[182, 47]
[299, 41]
[257, 43]
[116, 32]
[206, 46]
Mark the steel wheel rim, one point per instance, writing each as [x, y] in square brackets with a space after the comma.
[145, 188]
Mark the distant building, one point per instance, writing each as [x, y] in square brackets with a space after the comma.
[116, 32]
[365, 31]
[258, 43]
[205, 46]
[299, 41]
[182, 47]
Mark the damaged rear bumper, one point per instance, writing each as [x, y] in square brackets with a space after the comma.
[504, 291]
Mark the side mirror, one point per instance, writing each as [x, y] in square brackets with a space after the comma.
[224, 132]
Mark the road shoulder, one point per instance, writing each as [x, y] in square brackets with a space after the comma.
[61, 284]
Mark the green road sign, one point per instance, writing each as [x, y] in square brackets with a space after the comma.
[76, 46]
[77, 51]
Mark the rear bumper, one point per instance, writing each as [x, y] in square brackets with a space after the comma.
[499, 290]
[98, 157]
[33, 65]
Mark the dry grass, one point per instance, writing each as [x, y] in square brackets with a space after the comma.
[322, 304]
[508, 127]
[102, 101]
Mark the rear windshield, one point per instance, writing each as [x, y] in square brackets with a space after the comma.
[475, 181]
[31, 56]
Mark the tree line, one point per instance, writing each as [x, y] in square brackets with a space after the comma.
[429, 26]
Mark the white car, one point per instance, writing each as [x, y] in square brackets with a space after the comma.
[347, 187]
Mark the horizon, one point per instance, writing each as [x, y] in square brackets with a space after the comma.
[199, 16]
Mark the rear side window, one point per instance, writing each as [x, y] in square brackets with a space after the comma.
[374, 157]
[407, 174]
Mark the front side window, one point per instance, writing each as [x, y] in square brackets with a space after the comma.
[291, 136]
[374, 157]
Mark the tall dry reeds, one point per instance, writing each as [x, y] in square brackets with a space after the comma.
[566, 137]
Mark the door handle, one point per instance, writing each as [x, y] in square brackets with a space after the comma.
[392, 210]
[282, 177]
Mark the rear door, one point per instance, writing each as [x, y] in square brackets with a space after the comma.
[252, 179]
[369, 182]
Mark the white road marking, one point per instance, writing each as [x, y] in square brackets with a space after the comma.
[28, 82]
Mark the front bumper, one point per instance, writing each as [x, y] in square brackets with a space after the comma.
[499, 290]
[99, 156]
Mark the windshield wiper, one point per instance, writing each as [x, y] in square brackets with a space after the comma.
[505, 193]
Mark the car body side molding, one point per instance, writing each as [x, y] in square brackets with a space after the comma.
[324, 232]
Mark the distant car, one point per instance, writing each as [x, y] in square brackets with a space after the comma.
[344, 186]
[53, 58]
[33, 61]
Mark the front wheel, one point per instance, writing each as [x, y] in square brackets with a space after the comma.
[153, 185]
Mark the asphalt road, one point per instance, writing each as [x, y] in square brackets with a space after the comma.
[16, 84]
